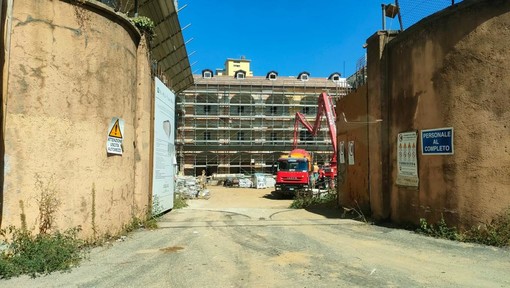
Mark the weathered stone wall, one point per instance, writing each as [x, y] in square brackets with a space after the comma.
[72, 67]
[449, 70]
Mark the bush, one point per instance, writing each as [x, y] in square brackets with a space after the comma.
[40, 254]
[305, 201]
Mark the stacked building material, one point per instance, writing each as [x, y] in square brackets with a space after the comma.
[189, 187]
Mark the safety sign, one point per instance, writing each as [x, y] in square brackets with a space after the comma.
[407, 164]
[115, 136]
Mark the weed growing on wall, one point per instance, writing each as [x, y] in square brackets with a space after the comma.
[439, 230]
[145, 25]
[93, 212]
[46, 252]
[493, 233]
[48, 202]
[39, 254]
[179, 201]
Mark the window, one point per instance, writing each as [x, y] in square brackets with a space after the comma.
[272, 76]
[306, 110]
[240, 136]
[303, 76]
[207, 109]
[305, 136]
[240, 109]
[335, 77]
[273, 110]
[292, 165]
[207, 135]
[240, 74]
[207, 73]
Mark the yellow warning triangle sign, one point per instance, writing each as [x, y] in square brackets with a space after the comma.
[115, 132]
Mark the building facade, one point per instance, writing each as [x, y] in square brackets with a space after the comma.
[239, 123]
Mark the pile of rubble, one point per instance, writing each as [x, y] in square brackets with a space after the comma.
[189, 187]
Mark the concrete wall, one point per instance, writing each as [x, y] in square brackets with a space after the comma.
[71, 68]
[449, 70]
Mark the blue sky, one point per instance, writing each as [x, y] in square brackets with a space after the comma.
[288, 36]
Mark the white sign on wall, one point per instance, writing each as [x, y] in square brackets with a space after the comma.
[115, 136]
[341, 153]
[351, 152]
[164, 148]
[407, 164]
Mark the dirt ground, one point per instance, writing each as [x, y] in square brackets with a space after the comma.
[235, 197]
[242, 237]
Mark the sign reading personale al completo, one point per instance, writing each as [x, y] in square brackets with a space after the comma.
[437, 141]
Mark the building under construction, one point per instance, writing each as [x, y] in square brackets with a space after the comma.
[232, 122]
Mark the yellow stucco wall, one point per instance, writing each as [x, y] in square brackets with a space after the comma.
[233, 65]
[71, 69]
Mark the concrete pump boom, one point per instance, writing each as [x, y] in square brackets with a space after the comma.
[325, 107]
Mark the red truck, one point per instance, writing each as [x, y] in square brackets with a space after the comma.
[293, 172]
[295, 169]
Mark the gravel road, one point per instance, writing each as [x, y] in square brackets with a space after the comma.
[240, 238]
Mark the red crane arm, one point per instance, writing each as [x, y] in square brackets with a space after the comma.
[324, 106]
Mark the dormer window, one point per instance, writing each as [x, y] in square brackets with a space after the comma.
[206, 73]
[335, 77]
[304, 76]
[240, 74]
[272, 75]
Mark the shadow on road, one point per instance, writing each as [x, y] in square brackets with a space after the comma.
[328, 212]
[277, 196]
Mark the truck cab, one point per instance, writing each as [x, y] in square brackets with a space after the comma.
[293, 172]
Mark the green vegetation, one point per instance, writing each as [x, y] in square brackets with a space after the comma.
[145, 25]
[494, 233]
[179, 201]
[305, 201]
[45, 252]
[40, 254]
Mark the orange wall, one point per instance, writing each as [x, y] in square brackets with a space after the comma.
[70, 70]
[448, 70]
[353, 179]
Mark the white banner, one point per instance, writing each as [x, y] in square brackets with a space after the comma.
[407, 164]
[163, 180]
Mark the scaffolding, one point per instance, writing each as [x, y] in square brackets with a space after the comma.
[242, 126]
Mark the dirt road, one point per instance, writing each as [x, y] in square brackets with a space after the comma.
[242, 238]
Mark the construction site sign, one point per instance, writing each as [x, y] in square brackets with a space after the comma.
[351, 152]
[407, 163]
[115, 136]
[341, 154]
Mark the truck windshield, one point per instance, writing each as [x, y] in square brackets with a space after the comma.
[293, 166]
